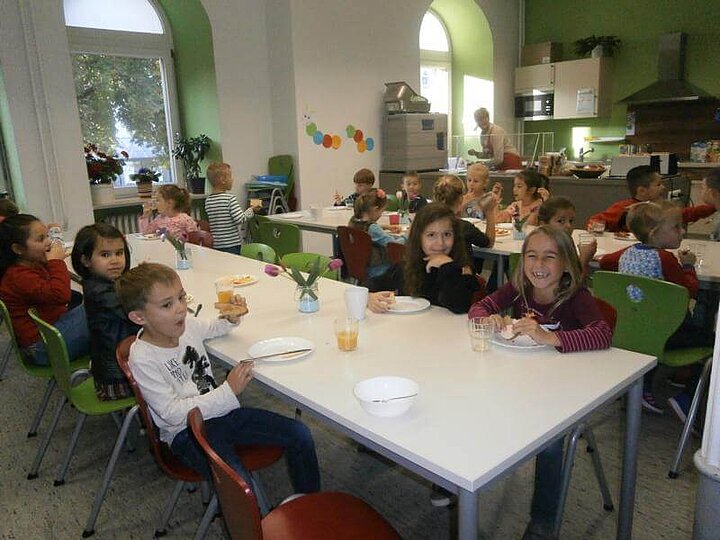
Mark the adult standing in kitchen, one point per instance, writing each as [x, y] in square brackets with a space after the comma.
[495, 143]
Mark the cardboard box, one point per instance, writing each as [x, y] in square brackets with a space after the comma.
[541, 53]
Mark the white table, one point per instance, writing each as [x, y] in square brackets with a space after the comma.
[477, 417]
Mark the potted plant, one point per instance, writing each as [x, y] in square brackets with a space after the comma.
[597, 46]
[102, 170]
[144, 179]
[192, 151]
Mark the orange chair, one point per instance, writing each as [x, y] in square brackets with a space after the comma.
[395, 252]
[317, 516]
[356, 247]
[201, 238]
[253, 457]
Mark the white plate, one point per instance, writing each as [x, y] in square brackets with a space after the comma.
[520, 342]
[290, 215]
[337, 208]
[150, 236]
[630, 238]
[240, 280]
[279, 345]
[508, 226]
[408, 304]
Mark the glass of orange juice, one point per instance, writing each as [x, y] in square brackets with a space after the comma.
[224, 289]
[346, 333]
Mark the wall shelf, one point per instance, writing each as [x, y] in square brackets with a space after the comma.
[605, 139]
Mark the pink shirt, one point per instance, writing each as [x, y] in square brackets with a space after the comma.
[179, 226]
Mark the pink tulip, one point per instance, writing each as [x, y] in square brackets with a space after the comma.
[335, 264]
[272, 270]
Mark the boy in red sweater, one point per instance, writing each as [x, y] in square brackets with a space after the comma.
[645, 184]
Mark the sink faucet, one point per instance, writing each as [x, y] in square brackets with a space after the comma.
[583, 153]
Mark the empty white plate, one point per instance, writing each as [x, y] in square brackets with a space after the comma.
[409, 304]
[280, 345]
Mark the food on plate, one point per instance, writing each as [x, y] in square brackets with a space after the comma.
[242, 280]
[501, 232]
[622, 234]
[237, 308]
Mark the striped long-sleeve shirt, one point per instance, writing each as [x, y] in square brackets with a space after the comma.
[581, 325]
[225, 216]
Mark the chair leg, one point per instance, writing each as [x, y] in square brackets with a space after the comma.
[41, 408]
[109, 472]
[206, 492]
[260, 495]
[599, 472]
[207, 518]
[60, 478]
[690, 420]
[161, 529]
[46, 441]
[5, 359]
[118, 419]
[566, 474]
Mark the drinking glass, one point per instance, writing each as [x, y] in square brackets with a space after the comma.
[699, 251]
[585, 238]
[346, 333]
[224, 289]
[597, 227]
[315, 211]
[481, 331]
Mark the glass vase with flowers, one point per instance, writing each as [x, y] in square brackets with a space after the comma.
[306, 290]
[518, 223]
[183, 253]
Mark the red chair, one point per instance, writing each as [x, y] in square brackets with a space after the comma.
[203, 225]
[395, 252]
[201, 238]
[356, 247]
[317, 516]
[253, 457]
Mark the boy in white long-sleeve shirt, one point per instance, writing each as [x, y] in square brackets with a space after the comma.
[171, 366]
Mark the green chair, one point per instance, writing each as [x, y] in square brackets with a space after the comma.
[392, 203]
[305, 261]
[253, 224]
[282, 237]
[258, 251]
[41, 372]
[81, 396]
[278, 188]
[648, 312]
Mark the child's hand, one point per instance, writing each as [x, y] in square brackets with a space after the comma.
[56, 252]
[233, 316]
[395, 229]
[380, 302]
[529, 326]
[256, 208]
[240, 376]
[687, 257]
[436, 261]
[544, 194]
[489, 203]
[497, 190]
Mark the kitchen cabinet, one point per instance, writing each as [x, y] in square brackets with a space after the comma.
[582, 88]
[539, 77]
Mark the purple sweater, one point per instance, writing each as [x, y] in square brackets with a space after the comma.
[582, 327]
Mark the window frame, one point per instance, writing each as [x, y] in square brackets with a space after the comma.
[137, 45]
[442, 59]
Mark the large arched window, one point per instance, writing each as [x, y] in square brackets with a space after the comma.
[435, 64]
[124, 81]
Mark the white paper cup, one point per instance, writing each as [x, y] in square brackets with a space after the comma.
[356, 299]
[315, 212]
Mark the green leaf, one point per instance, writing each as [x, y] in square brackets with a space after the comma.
[298, 277]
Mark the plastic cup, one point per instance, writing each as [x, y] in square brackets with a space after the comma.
[597, 227]
[394, 219]
[585, 239]
[346, 333]
[481, 331]
[315, 212]
[224, 289]
[356, 299]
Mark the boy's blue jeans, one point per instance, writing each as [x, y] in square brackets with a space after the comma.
[254, 426]
[73, 327]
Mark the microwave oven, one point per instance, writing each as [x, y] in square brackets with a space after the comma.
[534, 106]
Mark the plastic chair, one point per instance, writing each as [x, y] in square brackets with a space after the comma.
[395, 252]
[392, 203]
[41, 372]
[258, 251]
[356, 247]
[316, 516]
[282, 237]
[253, 458]
[306, 261]
[201, 238]
[280, 192]
[644, 325]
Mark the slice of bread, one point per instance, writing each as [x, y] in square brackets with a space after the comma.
[231, 310]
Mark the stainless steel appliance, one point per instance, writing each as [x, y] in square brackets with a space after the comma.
[537, 105]
[622, 164]
[400, 98]
[414, 142]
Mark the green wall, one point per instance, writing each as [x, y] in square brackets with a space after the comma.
[638, 24]
[472, 48]
[195, 71]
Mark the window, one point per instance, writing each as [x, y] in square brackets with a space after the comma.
[435, 64]
[477, 93]
[124, 83]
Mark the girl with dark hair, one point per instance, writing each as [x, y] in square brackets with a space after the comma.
[33, 275]
[100, 256]
[436, 265]
[530, 190]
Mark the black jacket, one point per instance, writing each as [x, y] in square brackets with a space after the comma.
[108, 325]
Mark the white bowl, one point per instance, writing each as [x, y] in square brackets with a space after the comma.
[380, 388]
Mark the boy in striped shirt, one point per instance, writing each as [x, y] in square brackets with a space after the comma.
[223, 210]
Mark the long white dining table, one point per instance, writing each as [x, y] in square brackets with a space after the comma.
[477, 416]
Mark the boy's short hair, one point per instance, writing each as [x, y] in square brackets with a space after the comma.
[134, 286]
[364, 176]
[217, 171]
[8, 208]
[644, 218]
[551, 207]
[712, 180]
[413, 175]
[638, 177]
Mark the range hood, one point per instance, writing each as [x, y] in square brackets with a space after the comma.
[670, 85]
